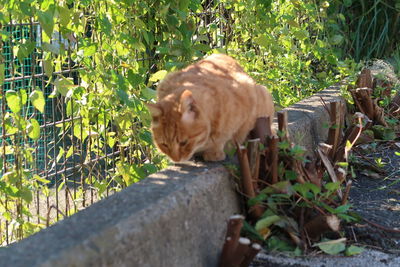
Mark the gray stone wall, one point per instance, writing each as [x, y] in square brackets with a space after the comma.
[176, 217]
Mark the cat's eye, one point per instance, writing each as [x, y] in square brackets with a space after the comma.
[183, 143]
[165, 146]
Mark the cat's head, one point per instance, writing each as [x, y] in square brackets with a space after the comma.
[178, 126]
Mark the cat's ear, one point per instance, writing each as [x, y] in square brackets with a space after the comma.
[187, 107]
[155, 111]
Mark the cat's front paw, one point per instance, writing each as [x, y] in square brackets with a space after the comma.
[214, 155]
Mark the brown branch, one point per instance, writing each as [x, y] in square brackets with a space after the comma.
[273, 159]
[384, 228]
[346, 192]
[353, 135]
[235, 224]
[329, 167]
[251, 253]
[334, 130]
[240, 252]
[283, 125]
[261, 130]
[253, 154]
[371, 165]
[294, 238]
[255, 211]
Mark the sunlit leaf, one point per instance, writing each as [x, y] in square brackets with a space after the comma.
[159, 75]
[63, 85]
[48, 67]
[46, 20]
[34, 129]
[301, 34]
[64, 15]
[40, 179]
[37, 99]
[266, 222]
[70, 152]
[24, 96]
[14, 101]
[262, 40]
[60, 154]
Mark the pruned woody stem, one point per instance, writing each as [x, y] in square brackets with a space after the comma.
[260, 169]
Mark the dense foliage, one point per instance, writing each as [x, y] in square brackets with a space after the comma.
[122, 48]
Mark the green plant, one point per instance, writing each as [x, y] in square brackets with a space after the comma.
[120, 50]
[296, 210]
[367, 29]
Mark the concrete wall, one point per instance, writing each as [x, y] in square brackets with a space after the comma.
[176, 217]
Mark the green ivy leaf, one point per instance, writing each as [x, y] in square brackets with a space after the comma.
[1, 73]
[149, 93]
[202, 47]
[46, 20]
[52, 48]
[48, 67]
[61, 153]
[25, 49]
[40, 179]
[301, 34]
[347, 3]
[24, 96]
[14, 101]
[262, 40]
[63, 85]
[332, 247]
[33, 129]
[303, 189]
[353, 250]
[26, 194]
[70, 151]
[266, 222]
[37, 99]
[342, 208]
[64, 15]
[105, 24]
[134, 79]
[26, 8]
[89, 50]
[159, 75]
[337, 39]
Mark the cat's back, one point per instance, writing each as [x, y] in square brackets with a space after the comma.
[214, 69]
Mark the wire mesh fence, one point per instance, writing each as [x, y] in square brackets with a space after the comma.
[64, 161]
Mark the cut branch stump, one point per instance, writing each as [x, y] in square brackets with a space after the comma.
[335, 127]
[320, 225]
[255, 211]
[232, 236]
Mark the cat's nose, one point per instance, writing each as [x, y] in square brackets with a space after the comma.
[175, 158]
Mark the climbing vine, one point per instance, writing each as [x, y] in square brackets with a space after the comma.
[118, 51]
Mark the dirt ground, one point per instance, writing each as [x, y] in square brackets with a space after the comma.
[375, 195]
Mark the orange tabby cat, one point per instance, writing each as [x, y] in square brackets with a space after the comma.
[205, 105]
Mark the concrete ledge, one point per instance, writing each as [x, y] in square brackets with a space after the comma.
[369, 257]
[173, 218]
[308, 120]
